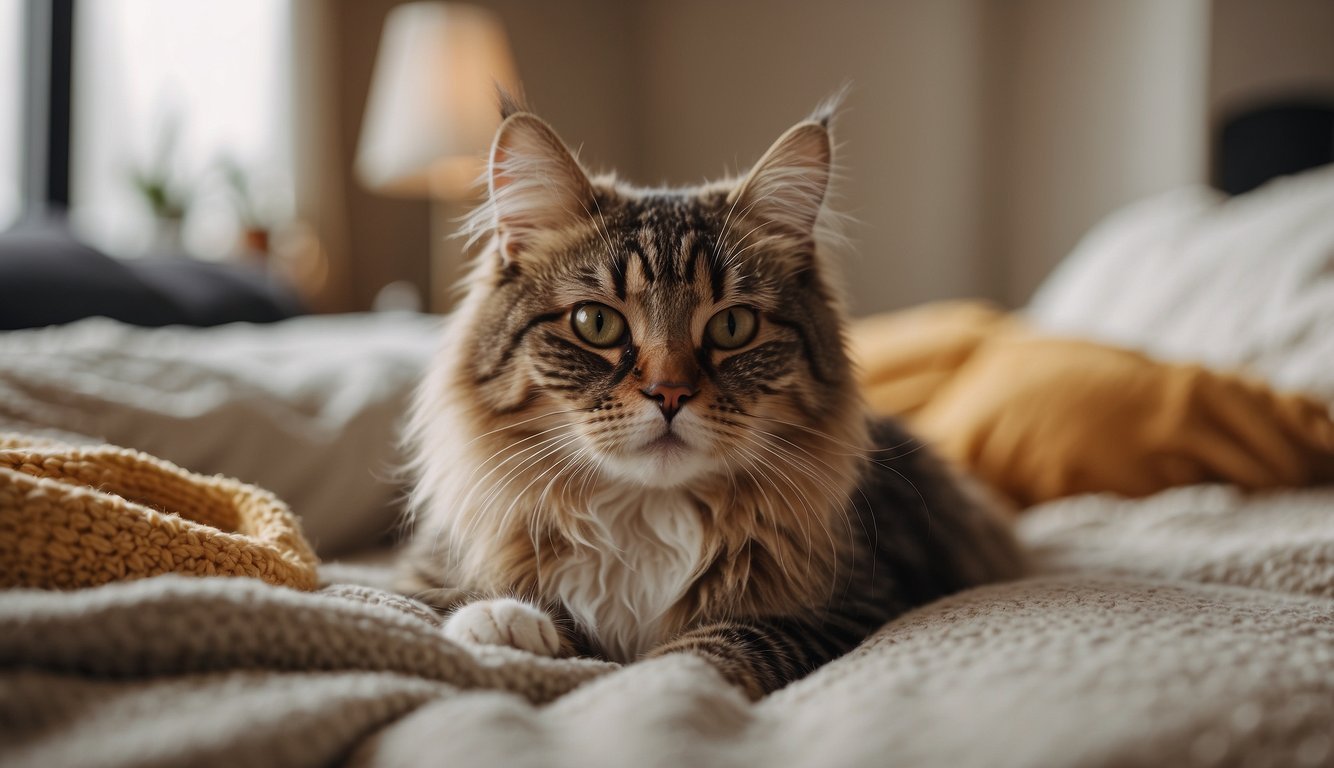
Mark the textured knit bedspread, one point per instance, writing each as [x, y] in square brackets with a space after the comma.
[1192, 628]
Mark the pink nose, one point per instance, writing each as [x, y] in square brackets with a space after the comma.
[670, 395]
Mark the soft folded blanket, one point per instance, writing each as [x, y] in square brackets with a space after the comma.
[1193, 628]
[82, 516]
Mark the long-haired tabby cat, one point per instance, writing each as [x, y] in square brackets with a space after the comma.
[642, 435]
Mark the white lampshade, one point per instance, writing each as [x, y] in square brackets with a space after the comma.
[432, 109]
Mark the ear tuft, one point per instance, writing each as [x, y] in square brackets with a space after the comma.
[787, 186]
[833, 103]
[510, 103]
[535, 183]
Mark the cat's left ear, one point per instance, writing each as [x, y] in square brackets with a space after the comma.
[535, 183]
[787, 186]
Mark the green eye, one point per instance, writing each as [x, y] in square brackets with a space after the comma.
[598, 324]
[733, 327]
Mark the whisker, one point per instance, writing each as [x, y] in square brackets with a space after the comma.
[858, 451]
[498, 465]
[503, 522]
[509, 447]
[601, 229]
[769, 505]
[521, 423]
[834, 500]
[544, 449]
[800, 497]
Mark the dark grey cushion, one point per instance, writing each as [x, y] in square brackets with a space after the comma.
[48, 277]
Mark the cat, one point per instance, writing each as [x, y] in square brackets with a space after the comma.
[641, 435]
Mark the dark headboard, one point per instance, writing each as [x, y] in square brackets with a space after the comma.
[1276, 139]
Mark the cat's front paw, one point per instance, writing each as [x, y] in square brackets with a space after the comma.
[504, 621]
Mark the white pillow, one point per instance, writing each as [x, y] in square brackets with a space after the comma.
[308, 408]
[1245, 283]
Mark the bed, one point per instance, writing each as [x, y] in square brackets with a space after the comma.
[1194, 626]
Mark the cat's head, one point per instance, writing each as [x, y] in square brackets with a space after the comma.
[658, 336]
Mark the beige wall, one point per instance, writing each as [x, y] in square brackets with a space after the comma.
[1267, 48]
[981, 138]
[1095, 104]
[579, 63]
[667, 91]
[724, 79]
[576, 60]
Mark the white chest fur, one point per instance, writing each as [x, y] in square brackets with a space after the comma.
[645, 547]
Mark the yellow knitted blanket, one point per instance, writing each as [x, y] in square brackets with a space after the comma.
[82, 516]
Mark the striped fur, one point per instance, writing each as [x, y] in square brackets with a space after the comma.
[768, 525]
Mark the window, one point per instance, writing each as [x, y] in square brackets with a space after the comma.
[169, 99]
[11, 113]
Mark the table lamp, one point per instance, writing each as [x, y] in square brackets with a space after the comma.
[431, 115]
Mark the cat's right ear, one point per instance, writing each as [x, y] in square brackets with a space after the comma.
[535, 183]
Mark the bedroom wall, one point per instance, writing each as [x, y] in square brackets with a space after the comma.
[1093, 105]
[1267, 48]
[575, 58]
[1096, 104]
[723, 80]
[674, 91]
[981, 138]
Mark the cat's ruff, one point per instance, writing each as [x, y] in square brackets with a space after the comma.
[644, 549]
[647, 547]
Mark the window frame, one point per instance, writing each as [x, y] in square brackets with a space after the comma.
[48, 76]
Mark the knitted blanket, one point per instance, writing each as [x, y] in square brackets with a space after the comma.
[1190, 628]
[75, 516]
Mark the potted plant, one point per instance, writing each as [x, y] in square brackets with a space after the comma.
[166, 198]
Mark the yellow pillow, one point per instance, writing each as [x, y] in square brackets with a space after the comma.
[1039, 418]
